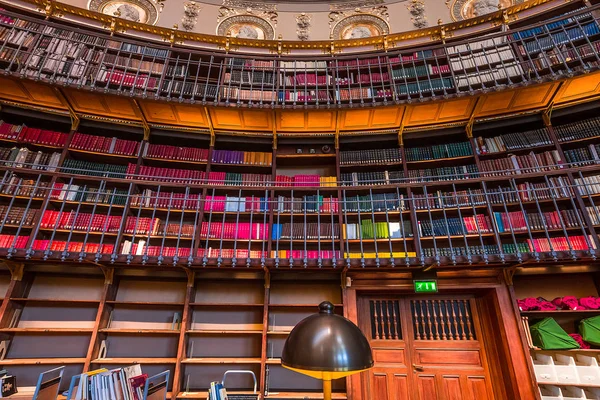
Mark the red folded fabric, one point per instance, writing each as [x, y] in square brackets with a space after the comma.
[568, 303]
[547, 306]
[577, 337]
[530, 304]
[589, 303]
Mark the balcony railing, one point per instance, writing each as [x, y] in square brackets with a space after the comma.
[61, 54]
[51, 215]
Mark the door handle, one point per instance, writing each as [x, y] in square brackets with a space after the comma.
[418, 367]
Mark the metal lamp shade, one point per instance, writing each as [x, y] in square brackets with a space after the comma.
[326, 346]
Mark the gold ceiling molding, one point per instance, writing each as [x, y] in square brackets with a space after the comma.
[262, 122]
[58, 10]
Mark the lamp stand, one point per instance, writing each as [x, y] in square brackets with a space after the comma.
[326, 389]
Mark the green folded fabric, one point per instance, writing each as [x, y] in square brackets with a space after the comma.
[589, 329]
[548, 335]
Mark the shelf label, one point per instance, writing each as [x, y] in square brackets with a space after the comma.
[429, 286]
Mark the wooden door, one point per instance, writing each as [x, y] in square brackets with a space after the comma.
[425, 348]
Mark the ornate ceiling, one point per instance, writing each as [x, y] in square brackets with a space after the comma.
[294, 19]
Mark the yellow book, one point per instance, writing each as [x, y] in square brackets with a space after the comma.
[96, 371]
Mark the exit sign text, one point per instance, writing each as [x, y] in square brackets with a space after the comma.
[426, 286]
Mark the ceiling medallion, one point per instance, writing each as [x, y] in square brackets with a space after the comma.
[465, 9]
[142, 11]
[191, 9]
[247, 23]
[359, 23]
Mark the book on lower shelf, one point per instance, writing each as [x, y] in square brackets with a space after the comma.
[513, 141]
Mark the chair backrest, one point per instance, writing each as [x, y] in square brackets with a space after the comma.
[156, 386]
[48, 384]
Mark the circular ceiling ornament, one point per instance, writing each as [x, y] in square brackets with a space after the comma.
[465, 9]
[142, 11]
[246, 27]
[360, 26]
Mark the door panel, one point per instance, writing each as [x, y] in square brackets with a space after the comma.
[426, 387]
[425, 348]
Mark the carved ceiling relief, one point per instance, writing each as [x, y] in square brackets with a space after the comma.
[191, 9]
[359, 23]
[465, 9]
[303, 26]
[249, 22]
[416, 8]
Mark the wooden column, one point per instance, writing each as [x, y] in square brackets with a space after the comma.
[186, 323]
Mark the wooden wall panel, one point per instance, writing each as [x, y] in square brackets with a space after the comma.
[495, 103]
[513, 101]
[290, 120]
[456, 110]
[43, 95]
[355, 119]
[103, 105]
[422, 114]
[252, 120]
[579, 88]
[11, 89]
[321, 121]
[174, 114]
[374, 118]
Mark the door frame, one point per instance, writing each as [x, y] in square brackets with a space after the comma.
[511, 377]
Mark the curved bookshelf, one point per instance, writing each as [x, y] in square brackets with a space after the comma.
[563, 46]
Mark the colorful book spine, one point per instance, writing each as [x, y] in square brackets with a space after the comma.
[102, 144]
[166, 152]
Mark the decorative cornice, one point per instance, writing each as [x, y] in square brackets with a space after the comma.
[60, 10]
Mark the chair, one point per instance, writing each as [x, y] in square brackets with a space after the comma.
[48, 384]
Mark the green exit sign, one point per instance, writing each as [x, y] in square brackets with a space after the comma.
[426, 286]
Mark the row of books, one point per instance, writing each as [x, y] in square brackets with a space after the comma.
[235, 204]
[375, 202]
[507, 248]
[18, 242]
[425, 85]
[454, 226]
[25, 158]
[369, 230]
[523, 164]
[72, 247]
[305, 79]
[557, 38]
[257, 78]
[67, 220]
[17, 215]
[77, 193]
[438, 151]
[17, 186]
[126, 79]
[477, 45]
[527, 33]
[516, 221]
[232, 230]
[137, 49]
[304, 95]
[141, 249]
[309, 204]
[583, 155]
[398, 255]
[248, 94]
[167, 152]
[25, 134]
[305, 180]
[366, 78]
[419, 71]
[561, 243]
[135, 64]
[362, 93]
[489, 56]
[242, 157]
[302, 65]
[513, 141]
[558, 187]
[80, 167]
[172, 87]
[512, 72]
[126, 383]
[468, 171]
[305, 231]
[370, 156]
[300, 254]
[103, 144]
[588, 128]
[245, 63]
[170, 200]
[588, 184]
[439, 199]
[371, 178]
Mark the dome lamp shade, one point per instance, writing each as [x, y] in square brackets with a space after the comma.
[326, 346]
